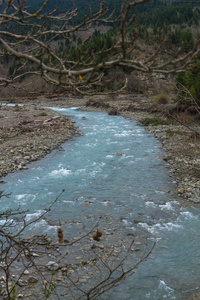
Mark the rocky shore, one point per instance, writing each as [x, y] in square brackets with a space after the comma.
[28, 133]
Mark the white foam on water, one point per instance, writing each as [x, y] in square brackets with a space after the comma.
[137, 134]
[105, 203]
[51, 227]
[139, 158]
[126, 222]
[100, 165]
[75, 107]
[90, 145]
[93, 173]
[164, 292]
[109, 156]
[159, 228]
[160, 192]
[162, 284]
[80, 171]
[40, 224]
[166, 206]
[132, 228]
[19, 197]
[63, 108]
[90, 133]
[11, 104]
[35, 178]
[81, 198]
[3, 222]
[58, 108]
[60, 173]
[23, 198]
[114, 142]
[142, 196]
[151, 204]
[105, 176]
[35, 215]
[188, 215]
[124, 133]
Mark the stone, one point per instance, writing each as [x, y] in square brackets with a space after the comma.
[21, 282]
[35, 254]
[180, 191]
[100, 246]
[52, 265]
[27, 157]
[2, 278]
[2, 265]
[32, 279]
[119, 153]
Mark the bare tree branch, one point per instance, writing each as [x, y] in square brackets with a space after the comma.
[35, 46]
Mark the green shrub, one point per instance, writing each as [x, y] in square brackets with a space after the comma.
[191, 80]
[43, 114]
[161, 99]
[171, 133]
[134, 84]
[155, 121]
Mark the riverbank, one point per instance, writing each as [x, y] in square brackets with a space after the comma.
[180, 143]
[34, 139]
[28, 133]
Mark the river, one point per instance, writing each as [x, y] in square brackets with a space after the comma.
[114, 173]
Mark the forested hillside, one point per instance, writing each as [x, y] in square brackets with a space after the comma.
[152, 13]
[155, 12]
[181, 19]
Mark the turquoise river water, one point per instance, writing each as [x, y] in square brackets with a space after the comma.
[116, 167]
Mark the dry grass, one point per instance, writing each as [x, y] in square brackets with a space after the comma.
[161, 99]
